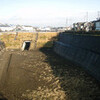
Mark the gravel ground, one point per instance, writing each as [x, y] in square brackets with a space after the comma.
[43, 75]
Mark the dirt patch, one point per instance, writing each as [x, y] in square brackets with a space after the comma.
[43, 75]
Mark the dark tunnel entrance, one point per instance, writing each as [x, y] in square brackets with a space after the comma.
[26, 45]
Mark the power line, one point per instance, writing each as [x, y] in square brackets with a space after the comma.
[98, 15]
[66, 22]
[87, 16]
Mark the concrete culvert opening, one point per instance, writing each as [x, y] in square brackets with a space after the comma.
[26, 45]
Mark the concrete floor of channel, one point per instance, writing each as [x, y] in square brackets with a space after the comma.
[43, 75]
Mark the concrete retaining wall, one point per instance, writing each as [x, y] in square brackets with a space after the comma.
[89, 42]
[81, 49]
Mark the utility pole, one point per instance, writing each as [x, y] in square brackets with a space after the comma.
[16, 33]
[98, 15]
[35, 42]
[66, 22]
[86, 16]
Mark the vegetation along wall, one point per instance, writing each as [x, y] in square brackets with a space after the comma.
[81, 49]
[2, 47]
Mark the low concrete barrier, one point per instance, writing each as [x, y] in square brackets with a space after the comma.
[77, 49]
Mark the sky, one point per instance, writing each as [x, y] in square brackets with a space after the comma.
[54, 13]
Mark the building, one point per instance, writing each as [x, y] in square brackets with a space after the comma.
[28, 29]
[6, 29]
[44, 29]
[84, 26]
[97, 24]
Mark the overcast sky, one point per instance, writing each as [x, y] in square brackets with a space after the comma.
[48, 12]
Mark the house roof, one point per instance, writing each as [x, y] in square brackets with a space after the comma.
[96, 20]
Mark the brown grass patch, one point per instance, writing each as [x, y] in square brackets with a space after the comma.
[44, 39]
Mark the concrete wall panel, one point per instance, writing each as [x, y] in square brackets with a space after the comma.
[84, 50]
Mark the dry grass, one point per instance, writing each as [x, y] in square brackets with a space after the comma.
[43, 38]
